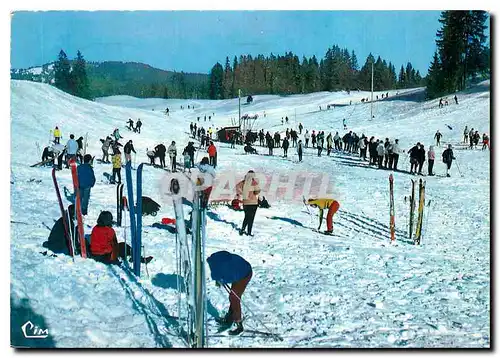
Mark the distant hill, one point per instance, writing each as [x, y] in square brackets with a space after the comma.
[127, 78]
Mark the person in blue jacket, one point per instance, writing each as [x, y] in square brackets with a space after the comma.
[227, 268]
[86, 180]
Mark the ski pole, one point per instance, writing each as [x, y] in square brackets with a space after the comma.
[458, 167]
[229, 290]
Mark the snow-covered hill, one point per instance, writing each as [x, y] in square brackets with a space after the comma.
[353, 289]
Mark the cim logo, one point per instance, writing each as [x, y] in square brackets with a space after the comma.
[32, 331]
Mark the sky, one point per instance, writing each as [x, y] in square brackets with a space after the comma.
[193, 41]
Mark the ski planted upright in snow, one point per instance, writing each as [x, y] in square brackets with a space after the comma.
[131, 208]
[412, 209]
[420, 219]
[119, 204]
[136, 253]
[67, 234]
[78, 207]
[391, 207]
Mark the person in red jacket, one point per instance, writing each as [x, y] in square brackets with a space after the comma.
[104, 245]
[212, 154]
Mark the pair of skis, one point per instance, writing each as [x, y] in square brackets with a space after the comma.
[421, 202]
[68, 231]
[135, 212]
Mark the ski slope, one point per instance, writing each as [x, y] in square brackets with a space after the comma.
[350, 290]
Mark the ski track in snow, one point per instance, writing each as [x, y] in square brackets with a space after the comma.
[353, 289]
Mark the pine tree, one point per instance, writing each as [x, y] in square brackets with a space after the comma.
[79, 79]
[216, 89]
[62, 69]
[434, 81]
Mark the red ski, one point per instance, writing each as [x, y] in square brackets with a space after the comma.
[78, 206]
[63, 214]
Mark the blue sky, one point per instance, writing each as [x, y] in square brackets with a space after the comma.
[193, 41]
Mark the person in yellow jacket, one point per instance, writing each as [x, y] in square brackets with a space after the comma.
[57, 135]
[323, 203]
[117, 166]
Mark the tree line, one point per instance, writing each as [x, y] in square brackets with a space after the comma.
[72, 78]
[287, 74]
[462, 55]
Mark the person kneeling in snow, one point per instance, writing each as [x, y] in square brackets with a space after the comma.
[104, 246]
[322, 204]
[57, 241]
[227, 268]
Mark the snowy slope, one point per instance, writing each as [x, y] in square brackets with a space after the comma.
[352, 289]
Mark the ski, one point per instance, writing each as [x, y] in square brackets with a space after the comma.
[391, 207]
[78, 207]
[421, 203]
[412, 209]
[138, 228]
[63, 214]
[131, 208]
[119, 204]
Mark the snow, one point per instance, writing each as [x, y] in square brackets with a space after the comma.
[35, 70]
[353, 289]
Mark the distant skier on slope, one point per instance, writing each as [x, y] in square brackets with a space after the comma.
[104, 245]
[130, 125]
[227, 268]
[300, 150]
[322, 204]
[57, 135]
[138, 126]
[448, 159]
[437, 137]
[172, 153]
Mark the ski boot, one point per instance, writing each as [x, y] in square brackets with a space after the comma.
[237, 330]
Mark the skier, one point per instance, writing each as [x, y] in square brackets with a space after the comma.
[440, 103]
[105, 149]
[380, 153]
[430, 160]
[437, 137]
[456, 99]
[116, 134]
[362, 143]
[79, 152]
[57, 242]
[57, 135]
[336, 140]
[160, 151]
[117, 166]
[138, 126]
[189, 150]
[71, 148]
[420, 158]
[86, 180]
[329, 143]
[413, 152]
[151, 155]
[286, 119]
[300, 150]
[306, 137]
[486, 142]
[386, 153]
[227, 268]
[313, 139]
[300, 128]
[285, 146]
[345, 125]
[128, 149]
[130, 125]
[212, 153]
[248, 189]
[466, 134]
[471, 138]
[172, 153]
[270, 145]
[395, 154]
[448, 159]
[320, 143]
[104, 245]
[322, 204]
[47, 154]
[205, 178]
